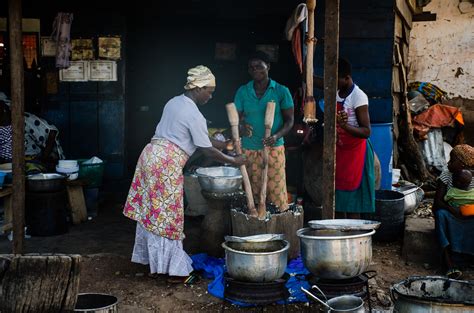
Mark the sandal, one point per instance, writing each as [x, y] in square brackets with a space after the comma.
[177, 279]
[454, 273]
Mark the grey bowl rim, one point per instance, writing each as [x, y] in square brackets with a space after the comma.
[218, 177]
[285, 248]
[301, 230]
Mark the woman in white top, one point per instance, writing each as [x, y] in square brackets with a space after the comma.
[155, 199]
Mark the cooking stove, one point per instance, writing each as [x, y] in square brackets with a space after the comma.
[357, 286]
[256, 293]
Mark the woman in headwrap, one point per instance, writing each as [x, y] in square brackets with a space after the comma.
[454, 231]
[155, 199]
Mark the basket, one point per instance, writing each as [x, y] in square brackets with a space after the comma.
[93, 173]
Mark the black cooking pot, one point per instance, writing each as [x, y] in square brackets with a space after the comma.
[50, 182]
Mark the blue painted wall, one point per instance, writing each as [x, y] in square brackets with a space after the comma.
[366, 40]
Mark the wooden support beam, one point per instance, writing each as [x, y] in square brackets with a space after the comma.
[18, 123]
[331, 56]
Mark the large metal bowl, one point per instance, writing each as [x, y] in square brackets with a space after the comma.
[256, 261]
[336, 254]
[219, 178]
[50, 182]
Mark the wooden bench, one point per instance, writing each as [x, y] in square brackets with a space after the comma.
[6, 193]
[77, 202]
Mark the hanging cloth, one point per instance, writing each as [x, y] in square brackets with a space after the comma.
[62, 36]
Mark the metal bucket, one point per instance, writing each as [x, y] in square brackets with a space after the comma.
[96, 303]
[433, 294]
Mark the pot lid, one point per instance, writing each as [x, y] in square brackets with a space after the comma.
[255, 238]
[344, 224]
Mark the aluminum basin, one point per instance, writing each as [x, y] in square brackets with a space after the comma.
[336, 254]
[256, 261]
[219, 178]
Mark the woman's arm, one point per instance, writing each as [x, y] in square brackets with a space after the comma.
[215, 154]
[288, 121]
[439, 202]
[363, 119]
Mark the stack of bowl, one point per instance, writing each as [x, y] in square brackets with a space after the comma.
[70, 168]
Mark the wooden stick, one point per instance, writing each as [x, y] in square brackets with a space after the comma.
[234, 123]
[331, 55]
[18, 124]
[262, 203]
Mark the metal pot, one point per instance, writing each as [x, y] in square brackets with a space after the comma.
[219, 179]
[256, 261]
[413, 197]
[45, 182]
[96, 303]
[433, 294]
[336, 254]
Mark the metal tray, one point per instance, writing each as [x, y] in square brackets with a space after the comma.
[344, 224]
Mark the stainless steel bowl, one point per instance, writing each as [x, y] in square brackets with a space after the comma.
[336, 254]
[219, 178]
[256, 261]
[413, 197]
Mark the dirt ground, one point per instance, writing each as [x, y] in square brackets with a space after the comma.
[116, 275]
[106, 243]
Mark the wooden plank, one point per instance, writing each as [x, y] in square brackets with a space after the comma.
[396, 80]
[331, 55]
[398, 26]
[402, 8]
[77, 203]
[18, 123]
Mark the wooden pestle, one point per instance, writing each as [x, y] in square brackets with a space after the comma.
[262, 204]
[310, 105]
[234, 123]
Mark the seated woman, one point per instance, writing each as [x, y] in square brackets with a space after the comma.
[42, 147]
[454, 231]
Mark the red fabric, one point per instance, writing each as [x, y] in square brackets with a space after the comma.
[296, 48]
[350, 159]
[436, 116]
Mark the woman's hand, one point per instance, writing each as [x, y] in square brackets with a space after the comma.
[245, 130]
[270, 141]
[240, 160]
[342, 118]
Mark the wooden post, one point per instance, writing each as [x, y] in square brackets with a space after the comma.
[18, 123]
[331, 56]
[310, 104]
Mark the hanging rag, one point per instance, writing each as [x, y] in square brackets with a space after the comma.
[62, 36]
[294, 33]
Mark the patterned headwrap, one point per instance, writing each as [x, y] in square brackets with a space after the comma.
[465, 154]
[200, 76]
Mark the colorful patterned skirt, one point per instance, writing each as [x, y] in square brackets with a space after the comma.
[276, 186]
[155, 201]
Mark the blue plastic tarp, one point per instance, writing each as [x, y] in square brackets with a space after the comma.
[214, 269]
